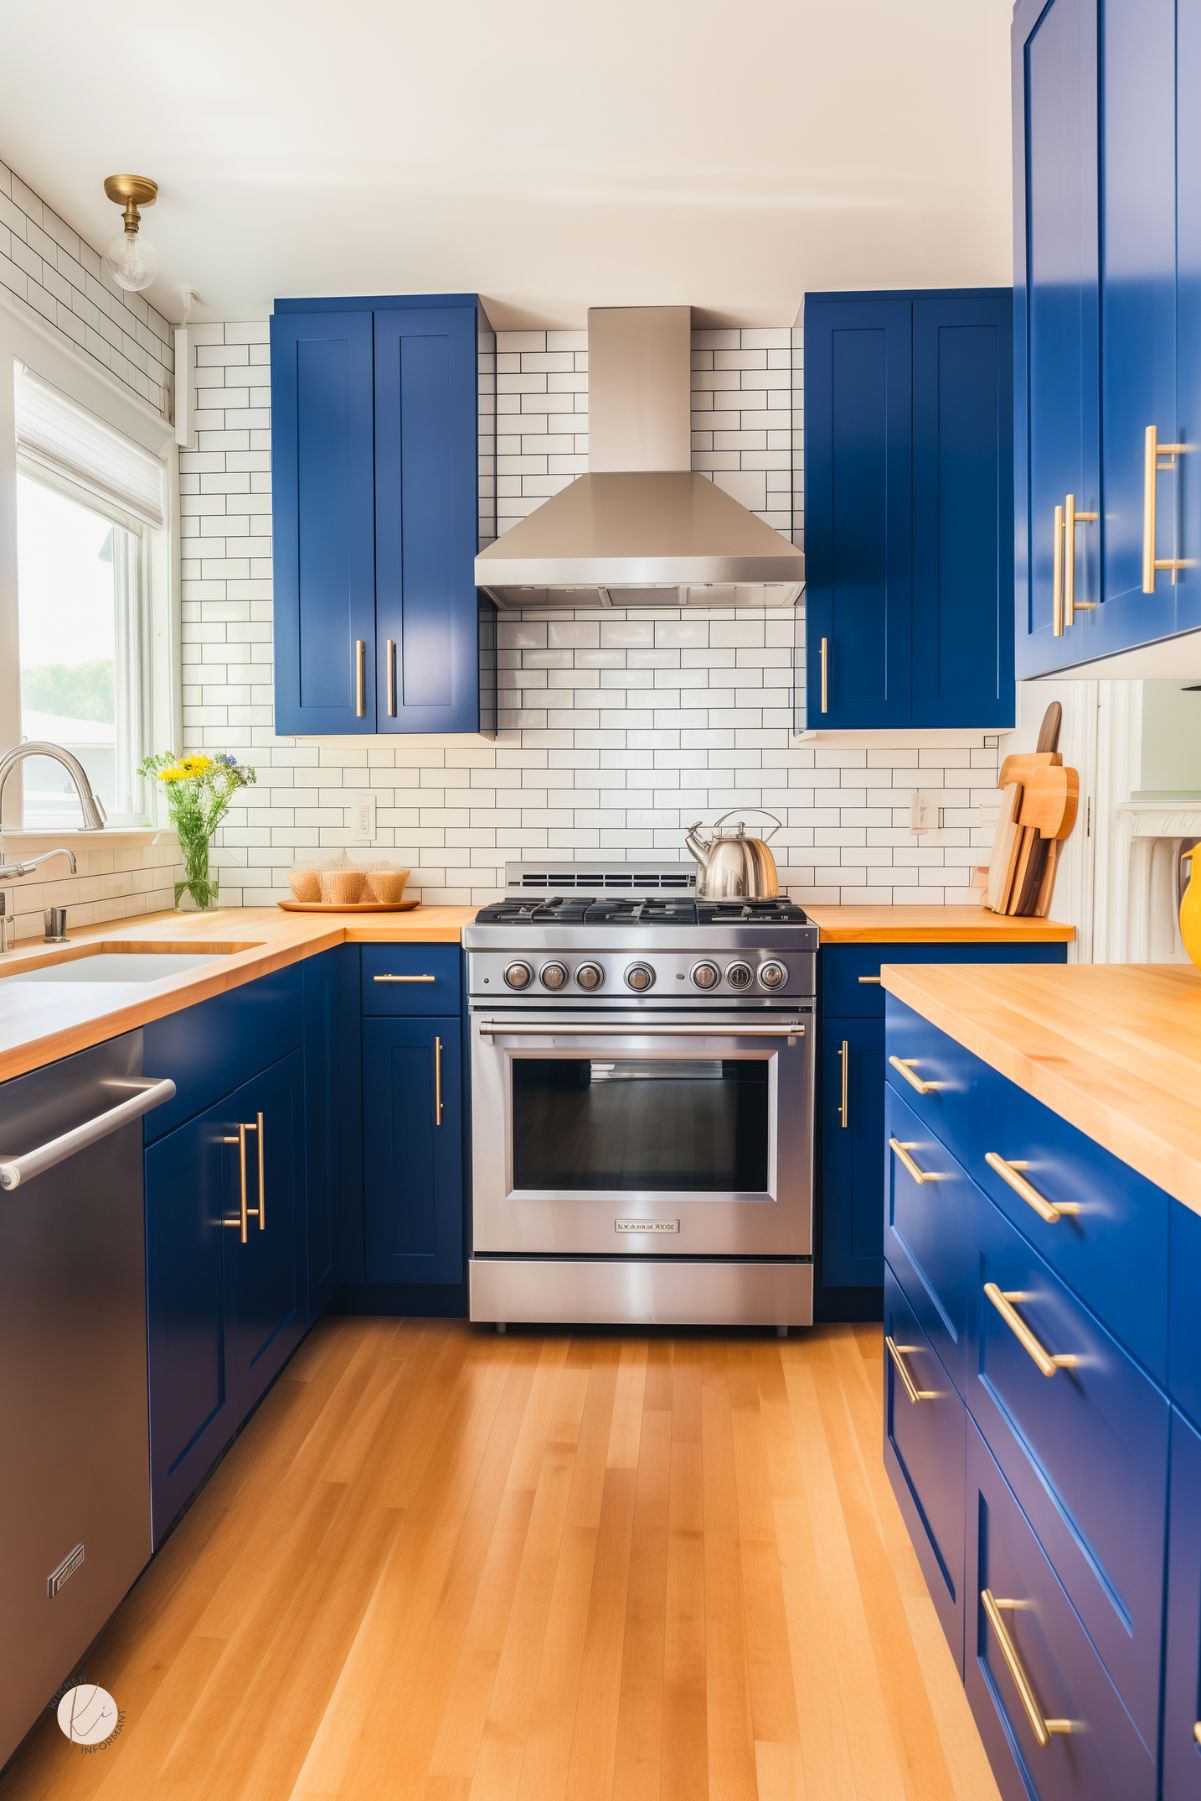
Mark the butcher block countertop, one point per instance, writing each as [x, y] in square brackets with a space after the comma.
[933, 925]
[43, 1021]
[1115, 1049]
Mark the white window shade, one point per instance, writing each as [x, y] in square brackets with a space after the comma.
[81, 449]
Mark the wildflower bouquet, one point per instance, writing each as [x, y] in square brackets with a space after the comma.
[199, 790]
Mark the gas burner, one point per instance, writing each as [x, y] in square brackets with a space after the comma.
[673, 911]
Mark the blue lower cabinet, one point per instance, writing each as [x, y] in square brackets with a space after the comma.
[1029, 1668]
[928, 1219]
[851, 1253]
[923, 1454]
[413, 1150]
[1182, 1664]
[332, 1150]
[223, 1315]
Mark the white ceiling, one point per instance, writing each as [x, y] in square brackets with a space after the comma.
[729, 153]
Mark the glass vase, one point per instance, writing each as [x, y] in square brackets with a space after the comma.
[197, 893]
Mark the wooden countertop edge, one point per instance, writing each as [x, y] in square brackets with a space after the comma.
[299, 937]
[863, 924]
[1104, 1110]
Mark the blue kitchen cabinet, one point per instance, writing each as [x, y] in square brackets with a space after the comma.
[223, 1315]
[909, 502]
[332, 1148]
[413, 1150]
[852, 1119]
[376, 488]
[1182, 1663]
[323, 521]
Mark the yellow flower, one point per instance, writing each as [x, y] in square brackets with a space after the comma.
[198, 764]
[175, 772]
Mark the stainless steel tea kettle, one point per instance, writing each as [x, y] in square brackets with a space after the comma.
[733, 866]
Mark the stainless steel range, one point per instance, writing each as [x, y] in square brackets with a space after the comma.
[642, 1102]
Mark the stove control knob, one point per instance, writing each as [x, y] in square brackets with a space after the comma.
[640, 977]
[589, 975]
[705, 975]
[518, 975]
[553, 975]
[772, 975]
[740, 975]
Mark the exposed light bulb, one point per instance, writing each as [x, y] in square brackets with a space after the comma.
[132, 261]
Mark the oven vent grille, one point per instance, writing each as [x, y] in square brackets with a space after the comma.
[600, 878]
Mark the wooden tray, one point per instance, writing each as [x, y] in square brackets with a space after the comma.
[400, 906]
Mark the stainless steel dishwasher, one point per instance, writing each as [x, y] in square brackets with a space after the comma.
[75, 1493]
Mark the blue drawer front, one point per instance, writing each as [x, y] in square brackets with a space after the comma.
[1182, 1666]
[925, 1232]
[412, 978]
[1084, 1449]
[1114, 1251]
[1184, 1312]
[923, 1454]
[840, 967]
[1103, 1755]
[211, 1049]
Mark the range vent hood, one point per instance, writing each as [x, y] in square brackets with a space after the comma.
[640, 529]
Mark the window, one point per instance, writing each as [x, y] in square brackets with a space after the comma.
[90, 505]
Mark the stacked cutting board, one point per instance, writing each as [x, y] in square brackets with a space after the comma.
[1039, 800]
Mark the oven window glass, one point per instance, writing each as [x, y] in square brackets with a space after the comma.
[586, 1123]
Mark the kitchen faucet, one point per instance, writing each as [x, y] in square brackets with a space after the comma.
[90, 805]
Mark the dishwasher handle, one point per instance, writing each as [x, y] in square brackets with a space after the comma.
[15, 1170]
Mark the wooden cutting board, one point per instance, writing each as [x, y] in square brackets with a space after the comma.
[1046, 813]
[1007, 844]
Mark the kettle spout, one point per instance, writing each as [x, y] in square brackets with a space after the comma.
[696, 843]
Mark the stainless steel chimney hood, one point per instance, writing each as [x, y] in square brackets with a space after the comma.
[640, 529]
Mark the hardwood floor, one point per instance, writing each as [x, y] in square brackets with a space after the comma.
[445, 1565]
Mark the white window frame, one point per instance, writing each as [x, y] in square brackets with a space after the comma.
[25, 339]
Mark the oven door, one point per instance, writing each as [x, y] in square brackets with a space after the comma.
[623, 1134]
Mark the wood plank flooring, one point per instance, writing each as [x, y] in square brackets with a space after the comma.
[441, 1565]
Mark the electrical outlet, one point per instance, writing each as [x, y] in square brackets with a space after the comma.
[924, 812]
[362, 818]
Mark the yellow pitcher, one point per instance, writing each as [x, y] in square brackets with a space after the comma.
[1190, 907]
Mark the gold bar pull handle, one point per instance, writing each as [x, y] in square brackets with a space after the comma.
[1072, 519]
[1152, 469]
[437, 1081]
[262, 1210]
[1043, 1360]
[904, 1067]
[898, 1354]
[870, 981]
[360, 678]
[844, 1109]
[241, 1224]
[1042, 1728]
[1197, 1731]
[404, 978]
[825, 661]
[1057, 577]
[390, 665]
[902, 1154]
[1010, 1172]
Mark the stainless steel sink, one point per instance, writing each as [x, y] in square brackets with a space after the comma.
[120, 966]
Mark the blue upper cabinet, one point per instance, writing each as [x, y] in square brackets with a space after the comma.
[908, 503]
[1107, 308]
[323, 496]
[375, 435]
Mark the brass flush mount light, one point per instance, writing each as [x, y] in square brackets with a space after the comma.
[131, 261]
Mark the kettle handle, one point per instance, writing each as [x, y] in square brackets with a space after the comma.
[775, 827]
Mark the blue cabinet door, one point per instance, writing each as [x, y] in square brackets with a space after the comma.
[1182, 1666]
[852, 1125]
[1138, 310]
[268, 1314]
[962, 663]
[1188, 311]
[426, 520]
[323, 465]
[413, 1150]
[858, 499]
[1056, 326]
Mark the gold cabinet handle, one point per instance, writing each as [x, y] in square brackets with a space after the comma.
[904, 1067]
[870, 981]
[1044, 1362]
[1042, 1728]
[1072, 519]
[404, 978]
[437, 1081]
[1010, 1173]
[245, 1211]
[258, 1127]
[390, 665]
[844, 1108]
[1152, 469]
[360, 678]
[825, 657]
[901, 1153]
[898, 1353]
[1197, 1731]
[1057, 577]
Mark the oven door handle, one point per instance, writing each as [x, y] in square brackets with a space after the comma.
[490, 1028]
